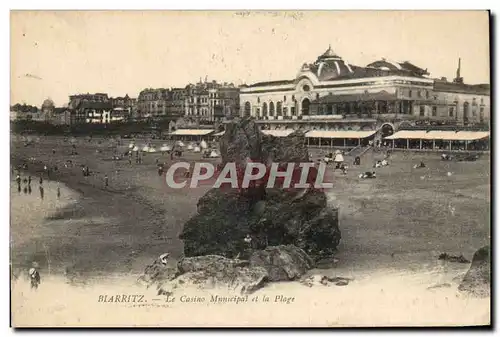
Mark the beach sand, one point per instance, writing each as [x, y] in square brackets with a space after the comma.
[393, 229]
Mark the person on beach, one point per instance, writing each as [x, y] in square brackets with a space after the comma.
[29, 189]
[29, 180]
[18, 179]
[58, 192]
[25, 190]
[106, 181]
[41, 191]
[41, 180]
[18, 188]
[34, 278]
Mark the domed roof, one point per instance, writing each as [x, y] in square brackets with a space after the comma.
[384, 64]
[48, 103]
[328, 66]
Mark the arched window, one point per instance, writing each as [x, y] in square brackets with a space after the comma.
[248, 109]
[279, 109]
[305, 106]
[271, 109]
[466, 109]
[264, 109]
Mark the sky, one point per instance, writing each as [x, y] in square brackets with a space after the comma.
[58, 53]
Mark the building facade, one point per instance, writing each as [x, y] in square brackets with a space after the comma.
[99, 108]
[204, 102]
[160, 103]
[331, 94]
[212, 101]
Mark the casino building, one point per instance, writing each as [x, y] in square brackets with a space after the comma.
[341, 104]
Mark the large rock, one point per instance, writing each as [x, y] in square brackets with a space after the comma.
[208, 272]
[225, 218]
[270, 217]
[282, 263]
[477, 280]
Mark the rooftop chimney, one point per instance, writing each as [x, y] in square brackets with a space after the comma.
[458, 79]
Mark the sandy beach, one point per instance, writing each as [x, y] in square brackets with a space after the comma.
[393, 229]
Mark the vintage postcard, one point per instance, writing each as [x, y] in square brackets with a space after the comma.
[250, 168]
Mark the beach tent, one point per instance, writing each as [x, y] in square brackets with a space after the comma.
[214, 154]
[197, 149]
[165, 148]
[190, 147]
[152, 150]
[181, 144]
[145, 148]
[339, 158]
[135, 149]
[131, 145]
[203, 145]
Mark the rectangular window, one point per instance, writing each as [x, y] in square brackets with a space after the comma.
[422, 110]
[434, 111]
[292, 110]
[451, 111]
[410, 93]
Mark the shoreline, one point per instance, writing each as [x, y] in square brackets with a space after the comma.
[96, 206]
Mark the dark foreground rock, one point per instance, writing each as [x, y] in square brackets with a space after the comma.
[282, 263]
[270, 217]
[217, 272]
[477, 280]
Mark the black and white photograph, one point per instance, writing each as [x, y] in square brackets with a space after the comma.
[250, 168]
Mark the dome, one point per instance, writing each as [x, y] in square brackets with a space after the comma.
[328, 66]
[48, 103]
[384, 64]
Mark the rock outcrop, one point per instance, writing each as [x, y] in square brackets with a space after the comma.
[270, 216]
[204, 272]
[217, 272]
[477, 280]
[282, 263]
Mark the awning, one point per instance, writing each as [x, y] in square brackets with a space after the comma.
[473, 135]
[219, 133]
[191, 132]
[409, 134]
[278, 133]
[339, 134]
[439, 135]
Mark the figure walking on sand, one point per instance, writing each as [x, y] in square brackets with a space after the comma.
[106, 181]
[34, 277]
[58, 192]
[41, 191]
